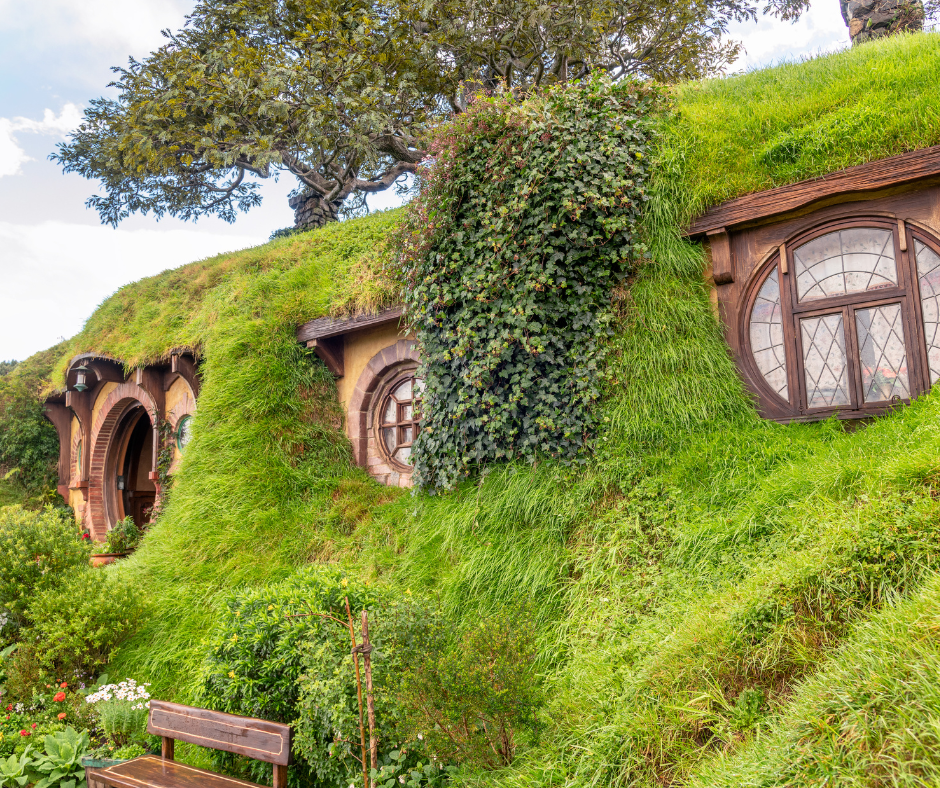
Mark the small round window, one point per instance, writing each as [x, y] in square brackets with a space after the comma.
[398, 425]
[184, 431]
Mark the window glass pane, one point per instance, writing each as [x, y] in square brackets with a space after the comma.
[928, 276]
[403, 392]
[824, 364]
[845, 261]
[405, 435]
[390, 439]
[404, 455]
[767, 336]
[405, 412]
[390, 412]
[882, 353]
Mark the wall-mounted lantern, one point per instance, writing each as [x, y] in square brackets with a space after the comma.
[81, 375]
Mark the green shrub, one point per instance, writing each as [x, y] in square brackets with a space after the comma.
[61, 764]
[472, 700]
[37, 549]
[272, 658]
[29, 445]
[75, 626]
[124, 536]
[15, 771]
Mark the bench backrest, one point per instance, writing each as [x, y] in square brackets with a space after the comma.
[259, 739]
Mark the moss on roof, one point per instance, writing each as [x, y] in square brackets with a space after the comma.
[694, 518]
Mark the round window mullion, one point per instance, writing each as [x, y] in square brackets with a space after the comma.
[397, 425]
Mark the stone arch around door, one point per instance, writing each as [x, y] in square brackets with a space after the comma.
[101, 509]
[384, 367]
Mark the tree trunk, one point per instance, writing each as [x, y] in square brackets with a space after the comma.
[868, 19]
[312, 211]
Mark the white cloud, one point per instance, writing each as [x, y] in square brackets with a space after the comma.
[12, 156]
[819, 30]
[54, 274]
[117, 26]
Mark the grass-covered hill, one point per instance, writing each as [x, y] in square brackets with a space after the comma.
[720, 600]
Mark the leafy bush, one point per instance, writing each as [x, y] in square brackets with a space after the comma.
[15, 771]
[472, 700]
[272, 658]
[29, 445]
[37, 550]
[75, 626]
[525, 223]
[124, 536]
[61, 764]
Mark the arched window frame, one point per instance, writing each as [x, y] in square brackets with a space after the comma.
[907, 293]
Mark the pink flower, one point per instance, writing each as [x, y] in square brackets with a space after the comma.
[25, 733]
[33, 725]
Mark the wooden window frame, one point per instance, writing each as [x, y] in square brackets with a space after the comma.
[906, 293]
[399, 425]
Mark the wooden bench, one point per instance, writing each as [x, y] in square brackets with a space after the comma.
[259, 739]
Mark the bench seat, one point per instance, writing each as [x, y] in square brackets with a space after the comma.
[259, 739]
[156, 772]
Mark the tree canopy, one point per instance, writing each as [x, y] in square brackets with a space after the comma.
[342, 94]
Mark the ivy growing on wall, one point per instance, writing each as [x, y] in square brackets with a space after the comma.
[526, 220]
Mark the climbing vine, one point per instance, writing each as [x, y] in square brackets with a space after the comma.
[527, 218]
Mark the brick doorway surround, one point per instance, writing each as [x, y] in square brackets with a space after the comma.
[104, 439]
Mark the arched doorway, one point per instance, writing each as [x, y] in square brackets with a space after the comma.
[121, 478]
[131, 492]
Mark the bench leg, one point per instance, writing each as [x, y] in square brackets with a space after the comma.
[280, 776]
[166, 750]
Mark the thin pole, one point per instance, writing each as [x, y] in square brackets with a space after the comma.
[362, 729]
[370, 701]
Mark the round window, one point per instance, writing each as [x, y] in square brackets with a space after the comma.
[184, 431]
[398, 423]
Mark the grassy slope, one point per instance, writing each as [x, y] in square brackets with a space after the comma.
[695, 523]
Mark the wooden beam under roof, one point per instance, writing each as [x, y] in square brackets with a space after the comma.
[325, 327]
[853, 181]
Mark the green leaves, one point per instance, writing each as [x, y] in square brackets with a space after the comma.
[526, 222]
[61, 766]
[15, 771]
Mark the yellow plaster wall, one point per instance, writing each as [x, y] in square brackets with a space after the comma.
[99, 403]
[175, 398]
[179, 390]
[76, 497]
[358, 350]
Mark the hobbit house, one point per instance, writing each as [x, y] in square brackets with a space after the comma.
[114, 430]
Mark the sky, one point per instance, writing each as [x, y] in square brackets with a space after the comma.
[57, 261]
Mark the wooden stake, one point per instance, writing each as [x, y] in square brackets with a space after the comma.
[370, 700]
[362, 729]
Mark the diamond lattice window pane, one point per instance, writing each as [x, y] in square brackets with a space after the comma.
[845, 261]
[824, 363]
[882, 353]
[928, 276]
[766, 329]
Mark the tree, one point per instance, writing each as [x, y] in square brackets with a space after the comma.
[342, 94]
[870, 19]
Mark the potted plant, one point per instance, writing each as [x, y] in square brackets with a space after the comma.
[121, 541]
